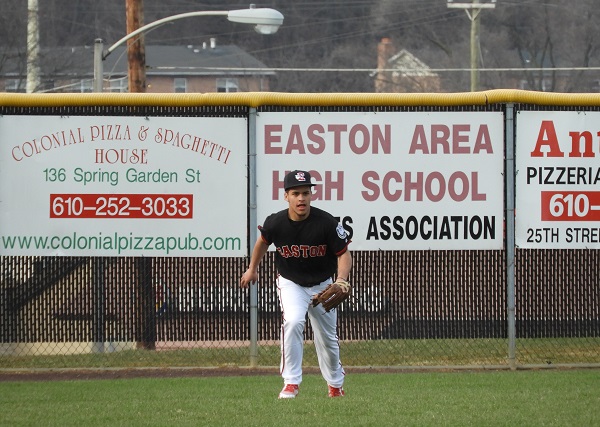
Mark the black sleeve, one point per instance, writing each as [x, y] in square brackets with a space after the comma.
[266, 230]
[338, 238]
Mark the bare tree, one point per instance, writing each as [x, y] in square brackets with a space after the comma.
[531, 37]
[548, 34]
[13, 39]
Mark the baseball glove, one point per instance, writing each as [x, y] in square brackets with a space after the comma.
[333, 295]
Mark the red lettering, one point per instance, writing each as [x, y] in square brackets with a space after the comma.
[305, 249]
[460, 135]
[444, 140]
[440, 134]
[483, 141]
[387, 179]
[337, 139]
[464, 186]
[328, 184]
[314, 132]
[121, 156]
[416, 186]
[475, 194]
[271, 139]
[576, 138]
[419, 141]
[302, 251]
[433, 185]
[315, 139]
[372, 188]
[365, 139]
[277, 185]
[295, 142]
[441, 186]
[547, 138]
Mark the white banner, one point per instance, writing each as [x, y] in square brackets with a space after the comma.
[397, 181]
[123, 186]
[558, 178]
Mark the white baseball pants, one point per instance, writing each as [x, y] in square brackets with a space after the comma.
[295, 301]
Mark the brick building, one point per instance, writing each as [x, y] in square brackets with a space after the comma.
[206, 68]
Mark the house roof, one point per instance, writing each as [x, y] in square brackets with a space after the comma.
[188, 60]
[406, 64]
[160, 60]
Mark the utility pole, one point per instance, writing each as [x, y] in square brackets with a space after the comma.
[473, 11]
[33, 47]
[136, 48]
[136, 59]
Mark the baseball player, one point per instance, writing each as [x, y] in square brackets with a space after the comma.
[311, 247]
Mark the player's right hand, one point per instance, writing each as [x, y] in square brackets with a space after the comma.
[248, 277]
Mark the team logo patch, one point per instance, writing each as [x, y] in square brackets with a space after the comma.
[341, 232]
[300, 177]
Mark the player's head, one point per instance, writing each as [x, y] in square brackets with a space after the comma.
[298, 194]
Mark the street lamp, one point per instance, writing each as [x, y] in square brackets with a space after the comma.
[265, 20]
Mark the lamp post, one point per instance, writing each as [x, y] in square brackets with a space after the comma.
[265, 20]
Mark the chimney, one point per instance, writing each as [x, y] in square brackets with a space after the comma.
[385, 50]
[383, 80]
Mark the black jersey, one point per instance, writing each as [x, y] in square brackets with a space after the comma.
[307, 250]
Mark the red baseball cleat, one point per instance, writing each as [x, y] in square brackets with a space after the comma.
[336, 391]
[289, 391]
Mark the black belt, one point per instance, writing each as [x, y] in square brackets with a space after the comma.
[310, 285]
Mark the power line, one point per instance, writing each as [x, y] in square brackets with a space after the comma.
[370, 70]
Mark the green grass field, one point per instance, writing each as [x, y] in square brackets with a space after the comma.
[494, 398]
[440, 352]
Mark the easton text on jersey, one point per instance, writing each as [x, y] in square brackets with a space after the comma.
[302, 251]
[452, 227]
[561, 175]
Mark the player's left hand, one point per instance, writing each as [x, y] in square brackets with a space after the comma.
[333, 295]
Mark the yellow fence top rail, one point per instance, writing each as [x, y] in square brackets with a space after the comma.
[257, 99]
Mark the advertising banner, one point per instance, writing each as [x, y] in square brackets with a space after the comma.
[123, 186]
[558, 180]
[396, 180]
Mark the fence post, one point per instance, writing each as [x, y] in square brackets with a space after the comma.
[147, 295]
[510, 232]
[253, 223]
[98, 323]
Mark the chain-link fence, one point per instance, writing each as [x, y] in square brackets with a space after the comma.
[410, 308]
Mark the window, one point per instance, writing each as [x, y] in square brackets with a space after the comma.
[544, 84]
[86, 86]
[14, 85]
[118, 85]
[227, 85]
[180, 85]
